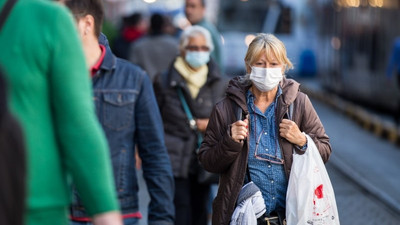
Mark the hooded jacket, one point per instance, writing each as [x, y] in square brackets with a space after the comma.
[219, 153]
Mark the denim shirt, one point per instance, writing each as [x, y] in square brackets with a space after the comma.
[269, 177]
[128, 112]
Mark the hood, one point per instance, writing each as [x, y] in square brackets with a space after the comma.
[290, 90]
[238, 87]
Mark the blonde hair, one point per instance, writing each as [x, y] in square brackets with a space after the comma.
[269, 45]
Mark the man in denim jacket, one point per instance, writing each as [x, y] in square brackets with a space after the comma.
[128, 111]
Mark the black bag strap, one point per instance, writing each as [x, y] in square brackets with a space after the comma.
[290, 112]
[6, 11]
[238, 111]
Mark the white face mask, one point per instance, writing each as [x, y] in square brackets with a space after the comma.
[197, 59]
[265, 79]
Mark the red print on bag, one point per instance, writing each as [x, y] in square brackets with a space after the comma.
[321, 204]
[319, 191]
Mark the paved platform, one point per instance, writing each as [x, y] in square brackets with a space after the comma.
[379, 126]
[358, 207]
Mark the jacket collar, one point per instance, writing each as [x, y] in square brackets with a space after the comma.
[290, 89]
[109, 60]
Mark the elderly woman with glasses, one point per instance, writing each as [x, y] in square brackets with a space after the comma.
[258, 147]
[192, 85]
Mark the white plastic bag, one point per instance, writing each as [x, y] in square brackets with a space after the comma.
[310, 198]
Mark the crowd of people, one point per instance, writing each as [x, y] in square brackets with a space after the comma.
[79, 116]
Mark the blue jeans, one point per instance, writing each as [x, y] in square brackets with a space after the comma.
[128, 221]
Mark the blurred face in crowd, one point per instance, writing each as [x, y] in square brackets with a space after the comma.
[197, 43]
[197, 52]
[194, 10]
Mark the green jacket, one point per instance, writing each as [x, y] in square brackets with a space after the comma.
[216, 54]
[50, 94]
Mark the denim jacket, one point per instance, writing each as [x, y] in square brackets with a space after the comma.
[127, 110]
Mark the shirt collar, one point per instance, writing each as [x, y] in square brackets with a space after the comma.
[96, 66]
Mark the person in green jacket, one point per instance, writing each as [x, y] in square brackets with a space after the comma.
[44, 62]
[195, 12]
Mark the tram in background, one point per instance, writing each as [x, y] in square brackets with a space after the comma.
[350, 40]
[356, 45]
[290, 20]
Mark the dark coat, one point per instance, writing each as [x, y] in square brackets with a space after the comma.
[180, 140]
[219, 153]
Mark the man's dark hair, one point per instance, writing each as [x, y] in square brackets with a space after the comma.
[82, 8]
[133, 19]
[157, 24]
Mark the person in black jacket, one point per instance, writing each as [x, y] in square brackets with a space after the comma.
[198, 78]
[12, 164]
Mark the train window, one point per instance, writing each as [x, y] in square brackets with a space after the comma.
[242, 16]
[255, 16]
[284, 25]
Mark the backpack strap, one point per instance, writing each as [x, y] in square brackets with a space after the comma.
[237, 110]
[6, 11]
[290, 111]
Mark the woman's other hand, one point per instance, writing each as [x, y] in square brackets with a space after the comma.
[108, 218]
[202, 124]
[291, 132]
[239, 130]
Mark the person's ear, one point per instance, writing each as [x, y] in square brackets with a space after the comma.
[87, 25]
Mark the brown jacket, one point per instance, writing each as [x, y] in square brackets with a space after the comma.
[219, 153]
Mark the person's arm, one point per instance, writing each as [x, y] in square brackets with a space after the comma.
[158, 89]
[81, 141]
[218, 50]
[312, 126]
[202, 124]
[156, 165]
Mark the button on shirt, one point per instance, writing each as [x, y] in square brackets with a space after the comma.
[269, 177]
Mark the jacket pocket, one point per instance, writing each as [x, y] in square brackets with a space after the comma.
[118, 109]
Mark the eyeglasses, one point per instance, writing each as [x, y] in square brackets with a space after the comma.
[197, 48]
[267, 157]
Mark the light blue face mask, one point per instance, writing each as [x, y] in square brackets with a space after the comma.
[197, 59]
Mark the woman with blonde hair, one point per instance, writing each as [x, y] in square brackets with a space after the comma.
[276, 116]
